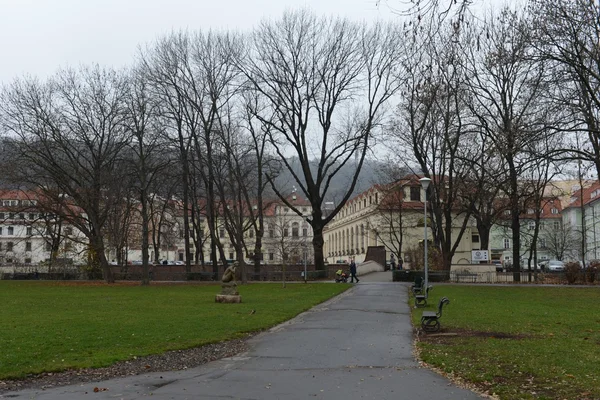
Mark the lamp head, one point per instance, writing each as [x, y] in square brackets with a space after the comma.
[425, 182]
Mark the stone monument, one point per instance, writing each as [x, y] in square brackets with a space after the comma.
[229, 293]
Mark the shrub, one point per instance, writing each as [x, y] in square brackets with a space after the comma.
[405, 275]
[592, 271]
[572, 271]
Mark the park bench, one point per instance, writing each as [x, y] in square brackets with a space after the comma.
[418, 286]
[430, 321]
[421, 298]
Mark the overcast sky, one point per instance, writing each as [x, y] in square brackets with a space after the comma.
[39, 36]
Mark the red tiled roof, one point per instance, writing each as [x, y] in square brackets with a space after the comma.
[589, 194]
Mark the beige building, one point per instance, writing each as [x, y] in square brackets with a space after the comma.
[391, 216]
[287, 235]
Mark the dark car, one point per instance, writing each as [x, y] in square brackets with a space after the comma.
[498, 265]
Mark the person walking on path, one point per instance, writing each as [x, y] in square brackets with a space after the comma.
[353, 272]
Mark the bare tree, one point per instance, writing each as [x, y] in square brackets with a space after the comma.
[561, 241]
[432, 126]
[507, 87]
[147, 161]
[567, 34]
[71, 134]
[164, 65]
[288, 244]
[325, 83]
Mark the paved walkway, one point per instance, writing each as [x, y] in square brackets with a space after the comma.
[356, 346]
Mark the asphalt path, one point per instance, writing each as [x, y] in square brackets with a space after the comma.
[358, 345]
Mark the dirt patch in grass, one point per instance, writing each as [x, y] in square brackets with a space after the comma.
[446, 336]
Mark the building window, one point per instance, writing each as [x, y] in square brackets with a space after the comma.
[231, 256]
[68, 231]
[530, 211]
[0, 246]
[251, 233]
[21, 215]
[48, 247]
[9, 246]
[531, 225]
[507, 243]
[475, 238]
[295, 229]
[543, 243]
[29, 231]
[271, 232]
[286, 232]
[415, 193]
[31, 216]
[304, 232]
[27, 246]
[0, 231]
[271, 256]
[304, 209]
[1, 215]
[28, 261]
[221, 233]
[556, 225]
[11, 230]
[376, 198]
[554, 211]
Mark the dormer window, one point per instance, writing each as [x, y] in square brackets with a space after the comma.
[554, 210]
[530, 211]
[415, 193]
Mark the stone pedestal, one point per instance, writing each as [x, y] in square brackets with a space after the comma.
[229, 293]
[228, 298]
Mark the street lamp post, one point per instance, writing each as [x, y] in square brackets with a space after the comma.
[425, 184]
[305, 254]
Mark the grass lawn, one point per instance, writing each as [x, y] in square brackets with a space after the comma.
[50, 326]
[519, 342]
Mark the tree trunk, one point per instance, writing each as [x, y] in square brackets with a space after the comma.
[516, 240]
[318, 246]
[145, 244]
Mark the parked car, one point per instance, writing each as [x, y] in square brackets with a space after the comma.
[534, 266]
[555, 266]
[498, 265]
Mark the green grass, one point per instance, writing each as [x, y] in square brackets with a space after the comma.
[51, 327]
[519, 342]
